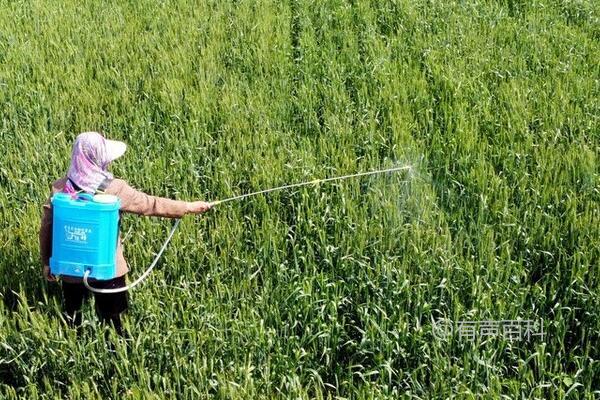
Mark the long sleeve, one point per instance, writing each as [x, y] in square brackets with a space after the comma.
[137, 202]
[45, 234]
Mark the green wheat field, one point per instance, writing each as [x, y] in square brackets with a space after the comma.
[330, 291]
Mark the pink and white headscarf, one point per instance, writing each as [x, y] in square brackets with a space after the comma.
[92, 154]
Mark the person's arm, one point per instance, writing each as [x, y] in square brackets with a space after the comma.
[137, 202]
[45, 238]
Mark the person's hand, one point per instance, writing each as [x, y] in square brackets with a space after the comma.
[47, 275]
[198, 207]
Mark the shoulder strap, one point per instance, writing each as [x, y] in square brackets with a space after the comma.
[76, 186]
[104, 185]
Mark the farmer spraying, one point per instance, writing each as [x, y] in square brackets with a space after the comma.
[79, 234]
[89, 186]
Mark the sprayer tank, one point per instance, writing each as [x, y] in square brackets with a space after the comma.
[84, 235]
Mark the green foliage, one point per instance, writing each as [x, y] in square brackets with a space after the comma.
[327, 291]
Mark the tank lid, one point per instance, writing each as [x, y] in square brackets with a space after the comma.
[105, 198]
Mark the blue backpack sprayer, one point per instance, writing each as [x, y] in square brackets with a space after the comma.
[84, 235]
[86, 227]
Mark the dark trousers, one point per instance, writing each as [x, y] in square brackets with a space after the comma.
[109, 306]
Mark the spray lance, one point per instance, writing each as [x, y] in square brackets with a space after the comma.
[88, 272]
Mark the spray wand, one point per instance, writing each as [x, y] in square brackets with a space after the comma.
[234, 198]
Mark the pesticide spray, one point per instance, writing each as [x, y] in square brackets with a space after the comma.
[227, 200]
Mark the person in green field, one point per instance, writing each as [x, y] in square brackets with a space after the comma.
[91, 156]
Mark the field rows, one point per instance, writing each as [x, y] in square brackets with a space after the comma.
[331, 290]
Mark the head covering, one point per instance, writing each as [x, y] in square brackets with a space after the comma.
[90, 158]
